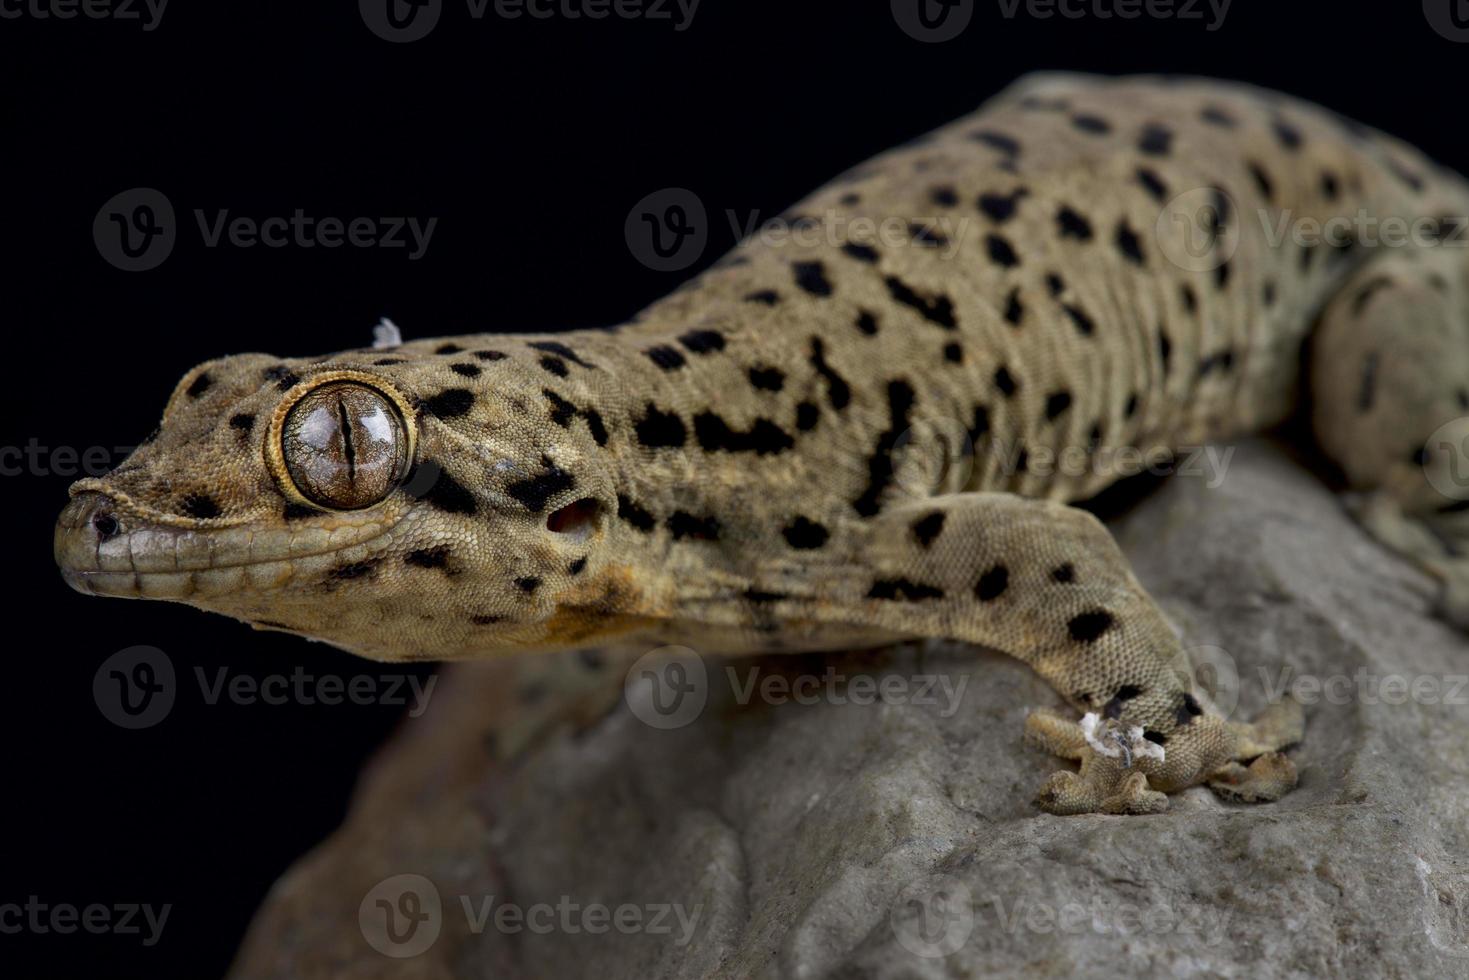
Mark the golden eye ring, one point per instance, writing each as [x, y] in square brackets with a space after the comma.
[340, 441]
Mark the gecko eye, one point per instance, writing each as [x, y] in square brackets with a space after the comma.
[344, 446]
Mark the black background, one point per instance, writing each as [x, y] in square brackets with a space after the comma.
[530, 141]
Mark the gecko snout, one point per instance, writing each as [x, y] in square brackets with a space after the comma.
[87, 522]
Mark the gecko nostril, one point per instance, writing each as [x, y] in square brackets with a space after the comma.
[104, 524]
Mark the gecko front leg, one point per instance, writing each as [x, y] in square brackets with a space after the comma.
[1046, 583]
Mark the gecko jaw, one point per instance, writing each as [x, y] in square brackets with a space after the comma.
[102, 549]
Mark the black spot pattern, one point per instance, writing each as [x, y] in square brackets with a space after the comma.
[562, 411]
[447, 494]
[490, 355]
[937, 309]
[1079, 319]
[1088, 627]
[1263, 183]
[702, 341]
[999, 141]
[767, 297]
[1000, 208]
[560, 350]
[1001, 252]
[807, 415]
[1130, 245]
[903, 589]
[1070, 224]
[436, 557]
[534, 492]
[1188, 709]
[954, 353]
[1014, 311]
[1006, 382]
[201, 384]
[1153, 184]
[992, 584]
[1056, 404]
[1156, 141]
[867, 322]
[634, 514]
[450, 403]
[838, 392]
[577, 566]
[555, 365]
[1215, 116]
[928, 527]
[1288, 136]
[944, 197]
[283, 376]
[862, 253]
[660, 429]
[767, 379]
[763, 437]
[805, 534]
[243, 421]
[1093, 125]
[1064, 574]
[527, 583]
[448, 349]
[357, 569]
[666, 357]
[685, 525]
[811, 276]
[880, 463]
[466, 370]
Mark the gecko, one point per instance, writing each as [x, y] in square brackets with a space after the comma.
[851, 437]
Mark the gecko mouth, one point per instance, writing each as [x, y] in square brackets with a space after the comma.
[102, 550]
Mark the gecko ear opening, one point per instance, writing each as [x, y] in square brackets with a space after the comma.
[577, 519]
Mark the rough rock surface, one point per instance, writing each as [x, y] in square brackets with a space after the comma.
[850, 839]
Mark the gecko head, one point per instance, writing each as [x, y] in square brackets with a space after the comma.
[425, 505]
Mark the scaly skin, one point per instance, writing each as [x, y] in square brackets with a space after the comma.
[836, 440]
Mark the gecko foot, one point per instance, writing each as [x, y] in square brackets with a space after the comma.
[1265, 780]
[1127, 768]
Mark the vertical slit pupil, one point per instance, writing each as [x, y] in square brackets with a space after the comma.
[347, 448]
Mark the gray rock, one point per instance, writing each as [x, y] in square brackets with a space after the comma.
[895, 837]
